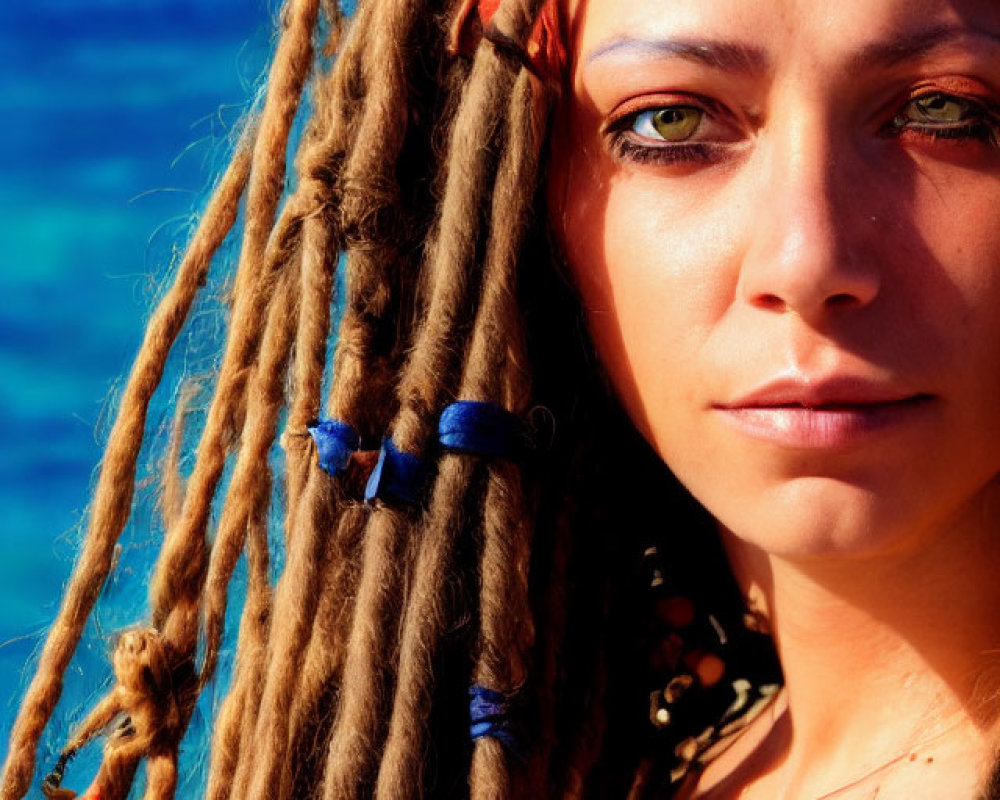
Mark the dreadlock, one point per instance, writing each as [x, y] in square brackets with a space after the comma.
[417, 176]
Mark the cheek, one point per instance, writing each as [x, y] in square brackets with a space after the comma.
[953, 282]
[962, 232]
[655, 275]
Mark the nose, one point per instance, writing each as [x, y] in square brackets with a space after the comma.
[811, 249]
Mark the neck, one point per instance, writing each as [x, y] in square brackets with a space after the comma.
[886, 656]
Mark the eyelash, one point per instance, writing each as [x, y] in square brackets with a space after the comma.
[983, 126]
[625, 143]
[627, 149]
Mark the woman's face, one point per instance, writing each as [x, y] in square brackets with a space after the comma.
[783, 218]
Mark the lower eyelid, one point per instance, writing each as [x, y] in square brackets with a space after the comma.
[958, 134]
[627, 147]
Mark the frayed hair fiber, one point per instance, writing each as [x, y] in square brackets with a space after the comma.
[420, 175]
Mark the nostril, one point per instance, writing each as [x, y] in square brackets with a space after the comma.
[771, 302]
[839, 300]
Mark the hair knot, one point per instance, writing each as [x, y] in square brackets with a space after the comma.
[335, 442]
[483, 429]
[490, 716]
[398, 477]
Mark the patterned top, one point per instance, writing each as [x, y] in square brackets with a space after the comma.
[712, 671]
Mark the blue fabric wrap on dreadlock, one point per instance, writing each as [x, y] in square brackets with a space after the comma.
[335, 442]
[483, 429]
[398, 477]
[489, 715]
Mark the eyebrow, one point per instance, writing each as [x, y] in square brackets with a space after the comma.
[915, 44]
[722, 55]
[736, 57]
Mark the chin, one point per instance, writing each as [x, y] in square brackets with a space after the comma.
[812, 517]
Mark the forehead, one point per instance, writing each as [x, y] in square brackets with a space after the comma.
[780, 27]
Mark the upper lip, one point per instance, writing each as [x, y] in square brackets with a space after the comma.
[814, 392]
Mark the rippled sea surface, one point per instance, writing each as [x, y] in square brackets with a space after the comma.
[115, 116]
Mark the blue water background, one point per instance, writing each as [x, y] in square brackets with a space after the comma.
[116, 114]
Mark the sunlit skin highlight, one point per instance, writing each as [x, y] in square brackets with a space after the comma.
[783, 220]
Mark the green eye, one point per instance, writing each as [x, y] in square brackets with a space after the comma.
[940, 109]
[671, 124]
[939, 115]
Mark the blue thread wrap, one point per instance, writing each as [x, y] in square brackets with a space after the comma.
[483, 429]
[335, 441]
[397, 477]
[489, 715]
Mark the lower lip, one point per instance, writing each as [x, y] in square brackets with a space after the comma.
[824, 426]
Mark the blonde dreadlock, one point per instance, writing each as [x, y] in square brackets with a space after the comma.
[418, 174]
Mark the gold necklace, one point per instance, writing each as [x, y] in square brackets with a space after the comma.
[780, 707]
[907, 756]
